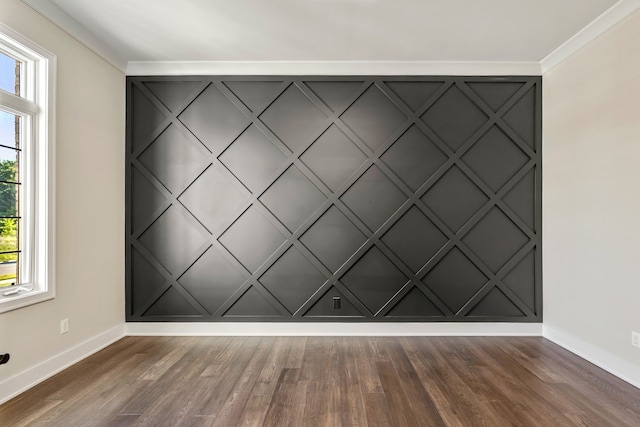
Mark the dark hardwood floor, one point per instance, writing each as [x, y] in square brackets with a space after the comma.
[328, 381]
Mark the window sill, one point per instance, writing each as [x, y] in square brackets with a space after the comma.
[13, 302]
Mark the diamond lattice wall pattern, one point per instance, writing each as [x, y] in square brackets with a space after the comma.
[333, 198]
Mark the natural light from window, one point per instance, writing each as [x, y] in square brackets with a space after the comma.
[26, 172]
[10, 154]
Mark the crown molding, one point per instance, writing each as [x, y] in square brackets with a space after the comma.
[151, 68]
[75, 29]
[615, 14]
[611, 17]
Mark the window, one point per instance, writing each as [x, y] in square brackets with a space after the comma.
[26, 172]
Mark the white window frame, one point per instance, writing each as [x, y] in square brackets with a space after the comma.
[36, 105]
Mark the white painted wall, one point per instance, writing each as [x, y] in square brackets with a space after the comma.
[591, 200]
[89, 203]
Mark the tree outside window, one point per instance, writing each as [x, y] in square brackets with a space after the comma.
[9, 177]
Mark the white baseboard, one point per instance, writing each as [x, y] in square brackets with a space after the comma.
[333, 329]
[611, 363]
[24, 380]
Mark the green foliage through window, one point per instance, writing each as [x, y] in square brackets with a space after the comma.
[8, 225]
[8, 205]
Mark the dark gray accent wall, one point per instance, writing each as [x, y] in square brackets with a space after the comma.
[333, 198]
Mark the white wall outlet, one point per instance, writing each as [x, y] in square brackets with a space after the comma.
[635, 339]
[64, 326]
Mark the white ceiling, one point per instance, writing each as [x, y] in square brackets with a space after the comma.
[329, 30]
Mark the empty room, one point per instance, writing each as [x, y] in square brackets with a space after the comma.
[319, 213]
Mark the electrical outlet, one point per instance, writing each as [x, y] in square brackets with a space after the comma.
[64, 326]
[635, 339]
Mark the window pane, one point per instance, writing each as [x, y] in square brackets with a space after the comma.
[9, 165]
[9, 194]
[9, 270]
[9, 74]
[9, 241]
[9, 154]
[10, 125]
[8, 237]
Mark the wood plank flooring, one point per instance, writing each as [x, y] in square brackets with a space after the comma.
[329, 381]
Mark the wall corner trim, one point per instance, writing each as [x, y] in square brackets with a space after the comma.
[78, 31]
[21, 382]
[331, 329]
[602, 358]
[333, 68]
[611, 17]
